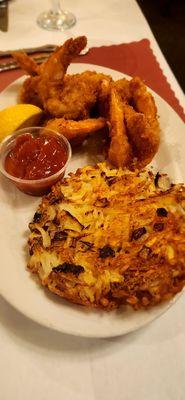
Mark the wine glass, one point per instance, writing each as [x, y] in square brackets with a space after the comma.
[56, 18]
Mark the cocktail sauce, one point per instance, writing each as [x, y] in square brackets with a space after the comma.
[35, 158]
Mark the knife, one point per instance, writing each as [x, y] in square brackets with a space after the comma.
[4, 15]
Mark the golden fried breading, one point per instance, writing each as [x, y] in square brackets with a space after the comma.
[77, 96]
[54, 69]
[51, 73]
[143, 125]
[105, 237]
[134, 132]
[143, 135]
[142, 99]
[28, 93]
[76, 131]
[122, 86]
[128, 107]
[104, 97]
[120, 151]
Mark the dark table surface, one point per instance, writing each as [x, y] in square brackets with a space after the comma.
[167, 22]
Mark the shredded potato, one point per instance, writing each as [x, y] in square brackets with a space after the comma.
[125, 244]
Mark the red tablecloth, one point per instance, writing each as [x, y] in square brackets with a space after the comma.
[134, 58]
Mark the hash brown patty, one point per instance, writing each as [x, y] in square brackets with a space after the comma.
[104, 237]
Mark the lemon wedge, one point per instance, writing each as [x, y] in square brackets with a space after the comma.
[17, 117]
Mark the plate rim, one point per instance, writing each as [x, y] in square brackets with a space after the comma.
[162, 308]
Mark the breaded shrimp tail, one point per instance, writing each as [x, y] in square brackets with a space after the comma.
[29, 66]
[56, 66]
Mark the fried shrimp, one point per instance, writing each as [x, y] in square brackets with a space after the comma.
[120, 150]
[140, 125]
[67, 96]
[56, 66]
[76, 131]
[78, 96]
[143, 135]
[53, 70]
[125, 106]
[51, 73]
[142, 99]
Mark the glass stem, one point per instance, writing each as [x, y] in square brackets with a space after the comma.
[56, 6]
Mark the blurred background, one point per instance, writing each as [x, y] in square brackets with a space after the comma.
[167, 22]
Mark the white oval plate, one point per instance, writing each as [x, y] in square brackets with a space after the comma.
[20, 288]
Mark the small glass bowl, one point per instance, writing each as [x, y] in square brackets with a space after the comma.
[34, 187]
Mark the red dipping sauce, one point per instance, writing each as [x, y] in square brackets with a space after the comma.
[35, 160]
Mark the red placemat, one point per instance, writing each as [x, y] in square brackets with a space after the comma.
[134, 58]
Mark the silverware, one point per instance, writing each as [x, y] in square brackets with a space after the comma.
[8, 66]
[47, 48]
[4, 15]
